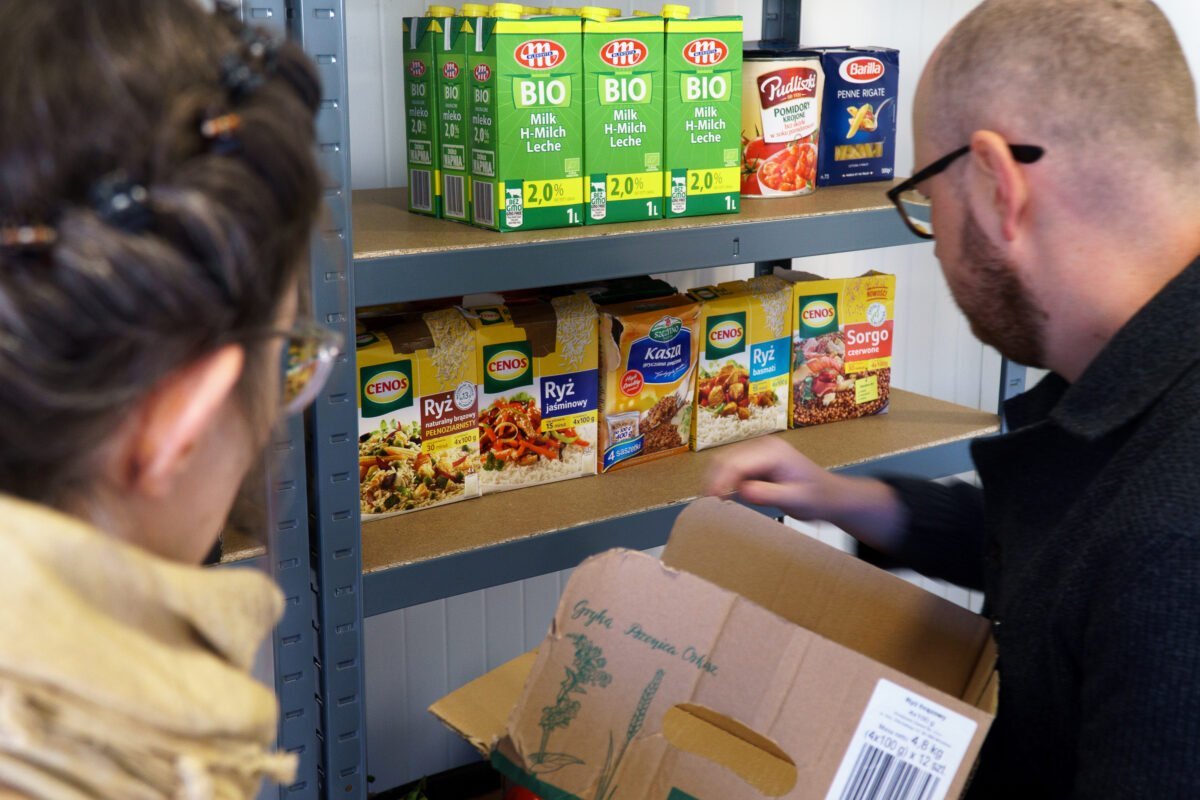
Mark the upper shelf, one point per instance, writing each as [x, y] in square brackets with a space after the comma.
[400, 256]
[414, 558]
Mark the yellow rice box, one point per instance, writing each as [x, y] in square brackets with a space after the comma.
[744, 361]
[537, 365]
[648, 349]
[843, 330]
[418, 443]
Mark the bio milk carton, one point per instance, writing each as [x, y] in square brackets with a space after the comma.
[842, 335]
[858, 140]
[538, 391]
[742, 374]
[453, 45]
[422, 114]
[418, 443]
[704, 116]
[526, 108]
[624, 117]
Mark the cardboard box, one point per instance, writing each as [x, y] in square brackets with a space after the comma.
[750, 662]
[742, 375]
[418, 444]
[422, 114]
[526, 114]
[704, 116]
[843, 330]
[537, 392]
[858, 140]
[623, 113]
[453, 84]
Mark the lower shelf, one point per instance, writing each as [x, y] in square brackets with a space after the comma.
[415, 558]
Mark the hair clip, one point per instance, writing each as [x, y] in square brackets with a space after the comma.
[24, 237]
[238, 73]
[260, 46]
[220, 131]
[122, 203]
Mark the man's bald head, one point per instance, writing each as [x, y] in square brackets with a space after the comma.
[1101, 83]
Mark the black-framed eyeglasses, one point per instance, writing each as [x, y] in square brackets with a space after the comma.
[914, 206]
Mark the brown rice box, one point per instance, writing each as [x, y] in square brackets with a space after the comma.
[648, 350]
[843, 329]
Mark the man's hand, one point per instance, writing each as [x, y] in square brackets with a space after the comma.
[770, 472]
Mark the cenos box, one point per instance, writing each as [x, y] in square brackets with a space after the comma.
[623, 96]
[526, 107]
[704, 116]
[858, 128]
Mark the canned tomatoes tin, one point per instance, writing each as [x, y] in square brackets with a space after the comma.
[781, 122]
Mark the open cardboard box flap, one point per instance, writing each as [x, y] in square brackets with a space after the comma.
[750, 662]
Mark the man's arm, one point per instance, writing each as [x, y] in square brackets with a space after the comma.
[1140, 733]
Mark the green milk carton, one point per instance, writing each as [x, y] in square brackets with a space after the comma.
[526, 108]
[704, 116]
[453, 46]
[623, 116]
[422, 115]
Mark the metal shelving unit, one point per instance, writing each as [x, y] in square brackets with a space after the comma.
[388, 255]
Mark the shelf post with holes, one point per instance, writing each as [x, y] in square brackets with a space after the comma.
[319, 25]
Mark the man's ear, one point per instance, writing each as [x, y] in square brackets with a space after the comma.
[175, 415]
[1000, 185]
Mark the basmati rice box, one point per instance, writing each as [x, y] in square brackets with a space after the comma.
[418, 443]
[742, 374]
[843, 331]
[538, 391]
[648, 350]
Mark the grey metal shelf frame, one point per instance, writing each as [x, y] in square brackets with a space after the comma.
[341, 283]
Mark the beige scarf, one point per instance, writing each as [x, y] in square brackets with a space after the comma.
[124, 676]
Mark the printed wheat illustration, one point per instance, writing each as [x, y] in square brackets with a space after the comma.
[587, 670]
[605, 789]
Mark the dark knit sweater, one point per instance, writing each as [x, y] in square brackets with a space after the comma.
[1086, 540]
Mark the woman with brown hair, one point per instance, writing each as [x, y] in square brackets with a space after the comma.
[158, 189]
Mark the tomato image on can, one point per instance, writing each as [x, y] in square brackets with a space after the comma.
[781, 120]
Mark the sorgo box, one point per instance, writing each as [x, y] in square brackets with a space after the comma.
[704, 112]
[526, 109]
[843, 331]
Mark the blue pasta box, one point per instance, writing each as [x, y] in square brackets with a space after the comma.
[858, 125]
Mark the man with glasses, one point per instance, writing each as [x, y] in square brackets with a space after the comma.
[1063, 195]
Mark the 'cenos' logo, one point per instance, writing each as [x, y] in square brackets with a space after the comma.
[818, 314]
[386, 388]
[507, 366]
[726, 336]
[666, 329]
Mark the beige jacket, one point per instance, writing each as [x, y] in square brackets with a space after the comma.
[124, 676]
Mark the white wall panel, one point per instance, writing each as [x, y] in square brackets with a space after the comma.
[415, 656]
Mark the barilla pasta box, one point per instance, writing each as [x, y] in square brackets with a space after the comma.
[858, 140]
[648, 351]
[418, 443]
[843, 330]
[526, 107]
[453, 45]
[623, 113]
[538, 390]
[422, 115]
[704, 116]
[744, 360]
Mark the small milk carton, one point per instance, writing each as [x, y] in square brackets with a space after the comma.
[858, 139]
[742, 375]
[538, 391]
[526, 114]
[843, 330]
[623, 113]
[704, 116]
[453, 88]
[422, 114]
[418, 443]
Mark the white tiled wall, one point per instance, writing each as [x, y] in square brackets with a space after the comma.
[415, 656]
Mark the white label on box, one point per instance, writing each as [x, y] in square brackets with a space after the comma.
[906, 747]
